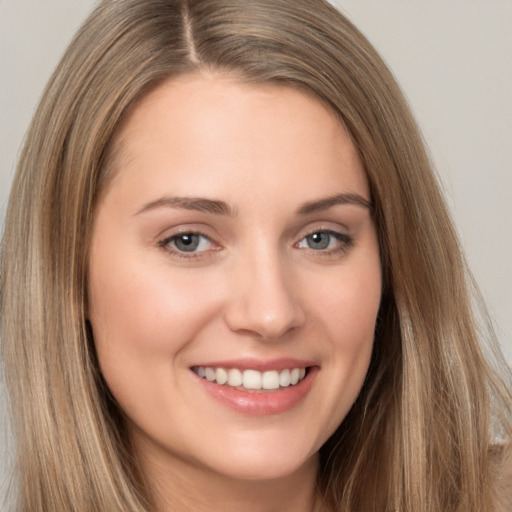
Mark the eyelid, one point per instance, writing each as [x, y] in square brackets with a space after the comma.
[165, 244]
[345, 241]
[340, 234]
[324, 227]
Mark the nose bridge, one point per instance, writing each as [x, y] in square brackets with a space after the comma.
[263, 301]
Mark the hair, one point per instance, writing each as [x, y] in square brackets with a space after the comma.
[428, 429]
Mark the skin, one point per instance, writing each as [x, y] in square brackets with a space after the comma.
[256, 287]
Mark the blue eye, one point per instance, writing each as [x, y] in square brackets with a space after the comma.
[325, 241]
[188, 243]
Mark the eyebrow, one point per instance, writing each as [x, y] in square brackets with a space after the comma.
[329, 202]
[218, 207]
[190, 203]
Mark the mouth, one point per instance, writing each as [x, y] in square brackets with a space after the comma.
[252, 380]
[257, 388]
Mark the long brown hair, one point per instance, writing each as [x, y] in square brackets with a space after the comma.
[425, 432]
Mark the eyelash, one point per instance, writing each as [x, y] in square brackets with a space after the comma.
[166, 244]
[345, 242]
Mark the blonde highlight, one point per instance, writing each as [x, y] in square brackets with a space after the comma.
[392, 452]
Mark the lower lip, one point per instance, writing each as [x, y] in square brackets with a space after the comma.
[261, 403]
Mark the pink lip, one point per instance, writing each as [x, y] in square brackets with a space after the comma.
[260, 403]
[258, 364]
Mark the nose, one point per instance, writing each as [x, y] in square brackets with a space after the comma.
[264, 300]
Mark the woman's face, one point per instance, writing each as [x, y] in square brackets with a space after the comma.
[233, 254]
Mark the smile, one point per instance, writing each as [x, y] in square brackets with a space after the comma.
[250, 379]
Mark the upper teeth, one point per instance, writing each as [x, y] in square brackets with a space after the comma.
[252, 379]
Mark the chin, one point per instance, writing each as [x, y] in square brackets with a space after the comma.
[267, 469]
[264, 460]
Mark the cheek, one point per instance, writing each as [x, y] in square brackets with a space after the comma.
[348, 303]
[345, 308]
[353, 326]
[142, 317]
[151, 308]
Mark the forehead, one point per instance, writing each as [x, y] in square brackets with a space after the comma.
[199, 129]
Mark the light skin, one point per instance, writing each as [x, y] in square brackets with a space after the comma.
[237, 227]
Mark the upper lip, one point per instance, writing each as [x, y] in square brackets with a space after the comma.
[258, 364]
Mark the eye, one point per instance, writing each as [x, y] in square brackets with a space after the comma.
[325, 240]
[183, 243]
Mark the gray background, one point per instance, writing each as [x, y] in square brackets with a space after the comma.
[453, 59]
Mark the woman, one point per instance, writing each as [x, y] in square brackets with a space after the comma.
[238, 278]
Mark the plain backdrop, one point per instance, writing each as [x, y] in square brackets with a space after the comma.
[453, 59]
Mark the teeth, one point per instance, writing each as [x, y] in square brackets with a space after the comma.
[270, 380]
[209, 374]
[234, 377]
[221, 376]
[252, 379]
[284, 378]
